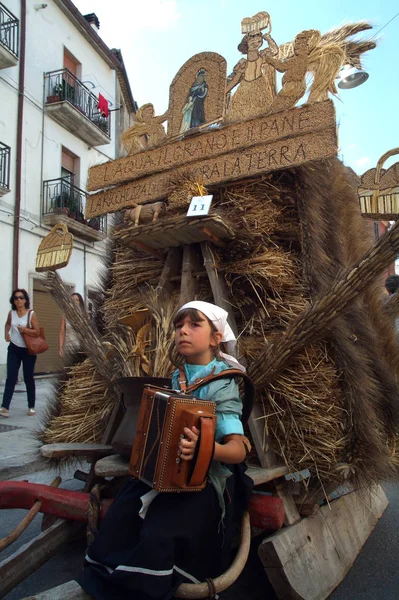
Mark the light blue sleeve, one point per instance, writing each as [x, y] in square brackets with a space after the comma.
[226, 395]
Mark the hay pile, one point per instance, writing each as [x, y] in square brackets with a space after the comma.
[334, 407]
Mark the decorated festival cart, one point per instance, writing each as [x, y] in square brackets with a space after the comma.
[242, 201]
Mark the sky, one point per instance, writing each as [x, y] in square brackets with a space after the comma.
[156, 38]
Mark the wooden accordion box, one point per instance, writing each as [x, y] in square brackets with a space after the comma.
[155, 453]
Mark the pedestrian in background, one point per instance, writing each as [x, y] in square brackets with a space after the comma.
[392, 284]
[392, 302]
[20, 321]
[67, 337]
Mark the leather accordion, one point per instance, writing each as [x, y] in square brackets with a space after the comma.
[155, 455]
[162, 417]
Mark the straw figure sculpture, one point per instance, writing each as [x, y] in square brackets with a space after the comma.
[301, 273]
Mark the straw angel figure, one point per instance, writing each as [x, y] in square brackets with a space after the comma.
[323, 62]
[148, 131]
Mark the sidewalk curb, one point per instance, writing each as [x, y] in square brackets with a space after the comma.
[18, 466]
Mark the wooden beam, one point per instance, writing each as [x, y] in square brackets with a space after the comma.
[66, 591]
[117, 466]
[291, 511]
[81, 450]
[34, 554]
[218, 285]
[188, 282]
[307, 561]
[255, 421]
[169, 271]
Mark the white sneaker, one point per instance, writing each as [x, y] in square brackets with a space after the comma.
[31, 412]
[4, 412]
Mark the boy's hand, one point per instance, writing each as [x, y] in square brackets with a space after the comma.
[188, 443]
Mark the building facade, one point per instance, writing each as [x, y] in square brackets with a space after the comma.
[64, 99]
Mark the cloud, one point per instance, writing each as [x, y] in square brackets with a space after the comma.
[132, 17]
[362, 162]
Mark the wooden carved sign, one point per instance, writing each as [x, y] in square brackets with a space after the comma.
[197, 93]
[244, 149]
[223, 129]
[55, 249]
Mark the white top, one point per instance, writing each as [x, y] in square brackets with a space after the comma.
[15, 336]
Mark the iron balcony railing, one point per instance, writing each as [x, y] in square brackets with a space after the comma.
[4, 166]
[9, 30]
[63, 85]
[61, 197]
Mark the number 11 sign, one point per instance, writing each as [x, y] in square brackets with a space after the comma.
[199, 206]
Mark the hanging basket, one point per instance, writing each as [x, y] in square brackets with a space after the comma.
[379, 200]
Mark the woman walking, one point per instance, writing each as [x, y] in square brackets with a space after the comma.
[20, 321]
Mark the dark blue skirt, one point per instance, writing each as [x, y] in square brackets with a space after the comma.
[180, 540]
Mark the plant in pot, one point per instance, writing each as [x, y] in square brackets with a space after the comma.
[58, 206]
[101, 121]
[56, 93]
[73, 206]
[94, 223]
[61, 204]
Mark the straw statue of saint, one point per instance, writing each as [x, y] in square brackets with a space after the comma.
[193, 112]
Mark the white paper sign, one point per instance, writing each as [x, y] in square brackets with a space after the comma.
[199, 206]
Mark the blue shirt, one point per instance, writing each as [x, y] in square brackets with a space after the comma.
[225, 394]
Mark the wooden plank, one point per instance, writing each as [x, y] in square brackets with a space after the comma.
[83, 450]
[244, 134]
[260, 476]
[117, 466]
[256, 160]
[66, 591]
[169, 270]
[307, 561]
[34, 554]
[188, 282]
[182, 231]
[291, 512]
[220, 294]
[112, 466]
[218, 285]
[256, 426]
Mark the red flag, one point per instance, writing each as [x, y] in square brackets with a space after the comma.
[103, 105]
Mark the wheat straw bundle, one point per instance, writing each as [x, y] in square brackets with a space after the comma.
[85, 406]
[305, 416]
[272, 269]
[130, 270]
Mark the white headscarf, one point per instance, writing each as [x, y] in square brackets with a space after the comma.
[218, 316]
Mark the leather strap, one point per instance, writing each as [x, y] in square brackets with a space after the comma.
[205, 452]
[248, 400]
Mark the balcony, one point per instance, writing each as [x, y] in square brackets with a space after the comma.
[4, 169]
[73, 106]
[65, 203]
[9, 38]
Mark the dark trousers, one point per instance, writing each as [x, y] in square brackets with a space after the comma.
[15, 356]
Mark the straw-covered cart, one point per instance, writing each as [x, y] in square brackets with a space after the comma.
[283, 247]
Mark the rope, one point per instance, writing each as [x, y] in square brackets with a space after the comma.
[212, 594]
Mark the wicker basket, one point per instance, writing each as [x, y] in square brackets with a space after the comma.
[380, 204]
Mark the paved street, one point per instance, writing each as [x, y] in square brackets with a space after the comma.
[374, 575]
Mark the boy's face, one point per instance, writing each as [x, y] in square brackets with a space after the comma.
[195, 340]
